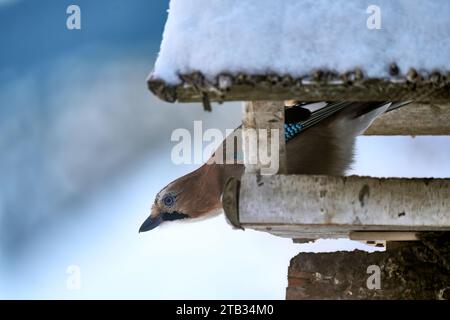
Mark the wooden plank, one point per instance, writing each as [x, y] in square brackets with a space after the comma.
[263, 137]
[303, 206]
[298, 232]
[414, 119]
[313, 232]
[382, 235]
[320, 85]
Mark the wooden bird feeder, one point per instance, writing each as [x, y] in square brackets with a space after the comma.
[361, 208]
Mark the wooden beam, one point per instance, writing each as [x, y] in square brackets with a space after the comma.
[311, 207]
[263, 136]
[415, 119]
[318, 86]
[383, 235]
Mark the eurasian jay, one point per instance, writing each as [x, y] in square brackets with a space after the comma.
[320, 139]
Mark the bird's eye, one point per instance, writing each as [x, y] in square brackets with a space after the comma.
[168, 200]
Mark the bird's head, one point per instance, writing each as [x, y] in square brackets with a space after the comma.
[191, 197]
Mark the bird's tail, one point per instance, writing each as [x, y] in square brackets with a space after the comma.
[361, 114]
[398, 104]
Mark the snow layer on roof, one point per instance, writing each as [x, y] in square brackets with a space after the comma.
[298, 36]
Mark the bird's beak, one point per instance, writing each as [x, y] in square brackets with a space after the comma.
[151, 223]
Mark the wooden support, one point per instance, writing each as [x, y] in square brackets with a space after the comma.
[312, 207]
[263, 137]
[414, 119]
[383, 235]
[319, 85]
[412, 270]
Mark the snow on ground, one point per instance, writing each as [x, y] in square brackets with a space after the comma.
[295, 37]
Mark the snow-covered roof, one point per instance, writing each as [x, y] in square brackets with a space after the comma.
[266, 49]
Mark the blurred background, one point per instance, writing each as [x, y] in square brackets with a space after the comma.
[84, 148]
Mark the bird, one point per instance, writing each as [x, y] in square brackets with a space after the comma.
[320, 139]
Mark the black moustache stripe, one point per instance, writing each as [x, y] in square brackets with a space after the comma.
[170, 216]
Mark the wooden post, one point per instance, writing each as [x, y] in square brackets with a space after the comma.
[263, 125]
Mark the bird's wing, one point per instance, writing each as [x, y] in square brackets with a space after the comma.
[325, 142]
